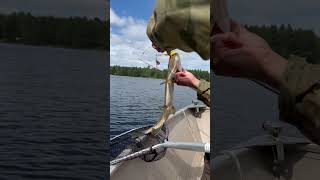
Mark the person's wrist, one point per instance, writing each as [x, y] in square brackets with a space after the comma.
[273, 68]
[195, 83]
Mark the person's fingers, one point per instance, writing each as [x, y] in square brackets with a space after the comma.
[235, 26]
[227, 38]
[218, 49]
[234, 52]
[215, 47]
[226, 65]
[223, 42]
[180, 75]
[216, 29]
[175, 78]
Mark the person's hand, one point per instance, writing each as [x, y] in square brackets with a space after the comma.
[240, 53]
[185, 78]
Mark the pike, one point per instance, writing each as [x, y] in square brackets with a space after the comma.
[220, 15]
[174, 65]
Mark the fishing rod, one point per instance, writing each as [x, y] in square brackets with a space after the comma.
[140, 59]
[198, 147]
[266, 86]
[148, 63]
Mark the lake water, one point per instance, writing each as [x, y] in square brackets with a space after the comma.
[135, 102]
[52, 106]
[53, 101]
[240, 108]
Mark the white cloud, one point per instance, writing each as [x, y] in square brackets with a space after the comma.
[115, 19]
[129, 43]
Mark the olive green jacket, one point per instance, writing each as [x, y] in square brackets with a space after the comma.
[203, 92]
[181, 24]
[299, 99]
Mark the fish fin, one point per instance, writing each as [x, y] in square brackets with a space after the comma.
[173, 110]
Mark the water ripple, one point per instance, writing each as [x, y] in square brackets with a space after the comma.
[50, 113]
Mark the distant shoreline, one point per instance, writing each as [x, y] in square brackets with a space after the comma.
[146, 72]
[52, 46]
[137, 77]
[65, 32]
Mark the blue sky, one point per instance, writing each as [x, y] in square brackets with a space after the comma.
[140, 9]
[129, 42]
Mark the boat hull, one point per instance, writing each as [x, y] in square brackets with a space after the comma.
[301, 161]
[183, 126]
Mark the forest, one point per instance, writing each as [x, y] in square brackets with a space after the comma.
[71, 32]
[151, 72]
[286, 40]
[93, 33]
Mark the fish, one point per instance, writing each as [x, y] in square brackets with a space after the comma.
[220, 20]
[220, 15]
[174, 65]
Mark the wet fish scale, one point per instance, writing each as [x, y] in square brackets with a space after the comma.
[173, 65]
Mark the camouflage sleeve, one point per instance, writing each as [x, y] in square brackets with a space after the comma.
[181, 24]
[299, 99]
[203, 92]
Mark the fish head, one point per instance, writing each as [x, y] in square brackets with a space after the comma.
[174, 65]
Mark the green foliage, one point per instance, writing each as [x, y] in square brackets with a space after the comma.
[286, 41]
[200, 74]
[73, 32]
[151, 73]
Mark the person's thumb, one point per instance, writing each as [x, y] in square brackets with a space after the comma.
[235, 26]
[229, 38]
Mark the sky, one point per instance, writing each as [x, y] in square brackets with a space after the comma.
[299, 13]
[129, 18]
[61, 8]
[129, 42]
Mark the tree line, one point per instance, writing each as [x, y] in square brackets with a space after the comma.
[83, 32]
[71, 32]
[152, 72]
[286, 40]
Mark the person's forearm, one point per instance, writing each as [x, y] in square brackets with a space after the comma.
[274, 67]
